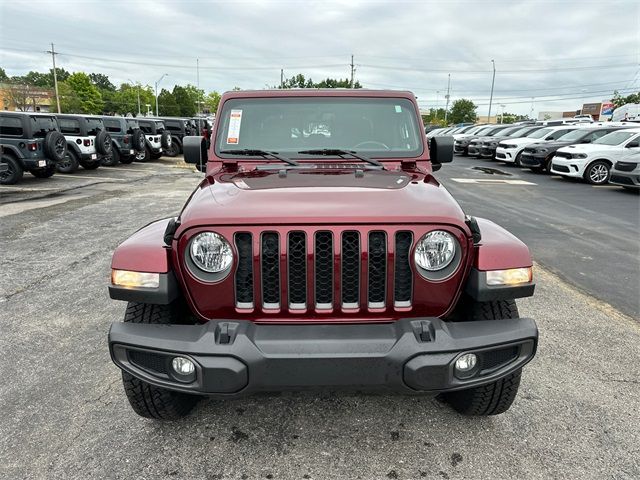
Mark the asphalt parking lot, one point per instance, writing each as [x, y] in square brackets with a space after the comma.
[65, 414]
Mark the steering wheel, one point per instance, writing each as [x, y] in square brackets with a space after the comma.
[371, 142]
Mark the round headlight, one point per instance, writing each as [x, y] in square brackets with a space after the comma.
[211, 252]
[435, 250]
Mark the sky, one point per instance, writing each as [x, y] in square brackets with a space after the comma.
[549, 55]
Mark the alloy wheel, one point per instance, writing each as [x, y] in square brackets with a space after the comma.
[598, 173]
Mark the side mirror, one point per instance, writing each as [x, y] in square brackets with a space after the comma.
[195, 151]
[634, 144]
[586, 140]
[440, 151]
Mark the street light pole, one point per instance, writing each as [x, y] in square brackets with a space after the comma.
[157, 83]
[493, 79]
[137, 88]
[447, 96]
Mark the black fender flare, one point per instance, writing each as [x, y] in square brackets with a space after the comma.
[11, 150]
[72, 144]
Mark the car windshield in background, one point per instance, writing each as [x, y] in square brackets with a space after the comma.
[575, 135]
[131, 124]
[42, 125]
[376, 127]
[615, 138]
[159, 126]
[484, 131]
[506, 132]
[541, 133]
[93, 125]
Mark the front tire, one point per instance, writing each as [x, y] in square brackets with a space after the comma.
[517, 161]
[598, 173]
[496, 397]
[148, 400]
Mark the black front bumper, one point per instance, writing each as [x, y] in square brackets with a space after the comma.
[241, 357]
[487, 151]
[532, 160]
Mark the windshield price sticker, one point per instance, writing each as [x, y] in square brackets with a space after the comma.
[233, 135]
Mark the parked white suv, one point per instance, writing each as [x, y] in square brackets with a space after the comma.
[593, 161]
[509, 151]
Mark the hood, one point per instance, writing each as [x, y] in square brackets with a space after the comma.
[550, 144]
[518, 142]
[318, 196]
[589, 147]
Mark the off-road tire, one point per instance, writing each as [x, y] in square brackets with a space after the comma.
[113, 159]
[494, 398]
[173, 150]
[148, 400]
[147, 155]
[90, 164]
[43, 172]
[69, 164]
[15, 172]
[55, 146]
[104, 143]
[138, 140]
[165, 139]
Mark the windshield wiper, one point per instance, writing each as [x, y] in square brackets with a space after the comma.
[259, 153]
[339, 153]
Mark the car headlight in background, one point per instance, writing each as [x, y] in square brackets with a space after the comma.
[435, 250]
[579, 155]
[210, 252]
[541, 150]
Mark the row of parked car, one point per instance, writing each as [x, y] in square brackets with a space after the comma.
[595, 152]
[43, 144]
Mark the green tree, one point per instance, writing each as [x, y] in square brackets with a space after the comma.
[102, 81]
[3, 75]
[299, 81]
[434, 117]
[187, 98]
[44, 80]
[618, 100]
[126, 98]
[211, 102]
[167, 104]
[462, 111]
[79, 95]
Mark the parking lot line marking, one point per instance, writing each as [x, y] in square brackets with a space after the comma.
[610, 187]
[25, 189]
[20, 207]
[492, 181]
[97, 177]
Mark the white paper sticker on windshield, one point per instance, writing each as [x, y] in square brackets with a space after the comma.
[398, 109]
[233, 135]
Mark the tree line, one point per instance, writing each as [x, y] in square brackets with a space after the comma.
[94, 93]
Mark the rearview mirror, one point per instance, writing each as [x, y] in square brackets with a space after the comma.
[195, 151]
[440, 151]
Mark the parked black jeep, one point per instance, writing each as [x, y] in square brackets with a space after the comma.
[157, 138]
[87, 142]
[31, 142]
[128, 142]
[178, 128]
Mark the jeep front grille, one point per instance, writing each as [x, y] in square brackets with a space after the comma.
[324, 270]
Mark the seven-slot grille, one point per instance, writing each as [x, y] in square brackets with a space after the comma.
[349, 269]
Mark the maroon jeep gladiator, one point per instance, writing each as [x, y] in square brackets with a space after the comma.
[320, 252]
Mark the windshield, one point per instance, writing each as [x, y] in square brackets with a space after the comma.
[507, 132]
[159, 126]
[42, 125]
[376, 127]
[574, 135]
[484, 131]
[615, 138]
[93, 125]
[543, 132]
[474, 130]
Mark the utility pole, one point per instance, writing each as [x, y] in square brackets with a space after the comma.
[198, 82]
[353, 70]
[437, 103]
[491, 98]
[447, 96]
[159, 80]
[282, 78]
[55, 75]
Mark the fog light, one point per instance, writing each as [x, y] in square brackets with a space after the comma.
[466, 362]
[183, 366]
